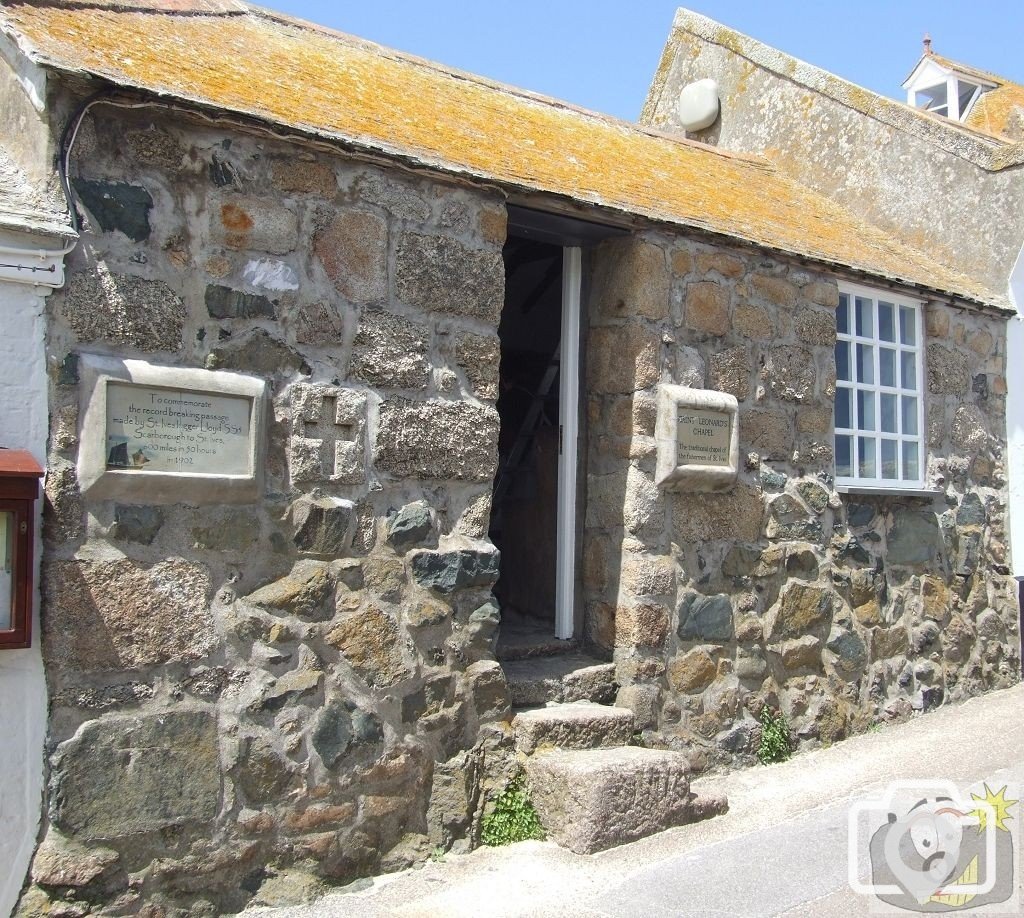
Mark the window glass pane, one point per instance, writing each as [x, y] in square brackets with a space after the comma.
[908, 326]
[911, 465]
[888, 419]
[865, 319]
[844, 456]
[965, 92]
[6, 569]
[886, 321]
[844, 411]
[843, 360]
[886, 366]
[910, 416]
[865, 363]
[933, 98]
[866, 455]
[889, 466]
[908, 369]
[843, 315]
[865, 410]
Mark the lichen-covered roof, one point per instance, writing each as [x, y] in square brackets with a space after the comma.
[230, 56]
[984, 149]
[1000, 111]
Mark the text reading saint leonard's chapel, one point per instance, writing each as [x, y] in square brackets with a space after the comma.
[703, 437]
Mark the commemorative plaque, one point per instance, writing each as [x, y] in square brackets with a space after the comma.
[698, 439]
[168, 434]
[177, 430]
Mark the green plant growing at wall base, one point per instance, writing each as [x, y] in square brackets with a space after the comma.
[512, 818]
[774, 746]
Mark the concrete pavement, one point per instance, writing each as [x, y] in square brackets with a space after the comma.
[781, 849]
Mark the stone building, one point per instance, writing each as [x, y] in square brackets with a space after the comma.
[949, 185]
[376, 398]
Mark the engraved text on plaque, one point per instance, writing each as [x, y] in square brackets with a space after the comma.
[177, 430]
[703, 437]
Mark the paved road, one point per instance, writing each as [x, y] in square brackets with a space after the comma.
[781, 849]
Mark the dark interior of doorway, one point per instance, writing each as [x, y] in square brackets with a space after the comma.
[524, 511]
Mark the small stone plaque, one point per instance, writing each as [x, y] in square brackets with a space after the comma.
[152, 429]
[703, 437]
[152, 434]
[698, 439]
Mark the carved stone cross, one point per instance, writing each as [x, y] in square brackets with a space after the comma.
[328, 433]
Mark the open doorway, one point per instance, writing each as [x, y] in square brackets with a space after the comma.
[534, 513]
[524, 515]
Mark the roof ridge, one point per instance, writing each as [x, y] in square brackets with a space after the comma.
[507, 88]
[182, 8]
[970, 70]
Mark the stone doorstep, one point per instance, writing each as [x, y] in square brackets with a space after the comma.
[593, 799]
[580, 725]
[562, 679]
[525, 646]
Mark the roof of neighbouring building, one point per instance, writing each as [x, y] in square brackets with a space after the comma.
[989, 151]
[230, 56]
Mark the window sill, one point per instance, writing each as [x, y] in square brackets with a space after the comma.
[874, 490]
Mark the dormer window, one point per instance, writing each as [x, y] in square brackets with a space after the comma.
[941, 87]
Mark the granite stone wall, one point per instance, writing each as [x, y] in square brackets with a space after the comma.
[261, 698]
[840, 610]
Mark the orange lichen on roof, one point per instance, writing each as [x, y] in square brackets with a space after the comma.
[302, 77]
[1000, 111]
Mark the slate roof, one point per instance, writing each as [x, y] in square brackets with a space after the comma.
[227, 55]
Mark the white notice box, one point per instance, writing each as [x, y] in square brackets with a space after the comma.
[698, 439]
[156, 434]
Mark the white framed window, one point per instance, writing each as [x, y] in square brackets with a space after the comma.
[879, 407]
[952, 97]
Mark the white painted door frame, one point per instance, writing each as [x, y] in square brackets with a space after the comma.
[568, 420]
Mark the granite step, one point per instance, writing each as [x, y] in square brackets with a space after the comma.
[566, 678]
[513, 646]
[592, 799]
[520, 638]
[581, 725]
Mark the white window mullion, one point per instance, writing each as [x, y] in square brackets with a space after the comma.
[953, 98]
[922, 439]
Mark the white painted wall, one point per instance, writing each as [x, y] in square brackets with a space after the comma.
[23, 425]
[1015, 416]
